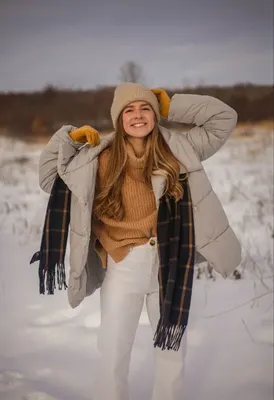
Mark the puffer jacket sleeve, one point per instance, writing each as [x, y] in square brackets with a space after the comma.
[57, 154]
[214, 121]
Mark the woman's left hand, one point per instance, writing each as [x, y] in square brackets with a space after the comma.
[164, 101]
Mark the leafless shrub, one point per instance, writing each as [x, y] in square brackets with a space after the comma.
[131, 72]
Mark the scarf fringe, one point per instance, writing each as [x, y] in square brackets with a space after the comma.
[47, 278]
[168, 336]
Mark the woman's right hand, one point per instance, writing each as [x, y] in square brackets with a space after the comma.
[86, 134]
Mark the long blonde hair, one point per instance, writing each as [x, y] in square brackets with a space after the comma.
[108, 201]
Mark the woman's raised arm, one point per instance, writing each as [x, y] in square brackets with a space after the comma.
[214, 121]
[58, 152]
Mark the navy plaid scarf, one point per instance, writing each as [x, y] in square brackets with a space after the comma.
[176, 244]
[176, 241]
[51, 256]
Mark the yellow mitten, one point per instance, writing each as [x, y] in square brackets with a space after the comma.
[86, 134]
[163, 100]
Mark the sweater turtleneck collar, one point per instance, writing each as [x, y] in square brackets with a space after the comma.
[137, 160]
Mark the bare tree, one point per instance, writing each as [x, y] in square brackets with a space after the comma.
[131, 72]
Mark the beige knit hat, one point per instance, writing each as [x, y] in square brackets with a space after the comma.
[128, 92]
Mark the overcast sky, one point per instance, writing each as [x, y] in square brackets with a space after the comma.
[83, 43]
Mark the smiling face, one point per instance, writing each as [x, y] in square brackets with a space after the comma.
[138, 119]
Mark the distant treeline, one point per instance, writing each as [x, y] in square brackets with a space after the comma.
[41, 113]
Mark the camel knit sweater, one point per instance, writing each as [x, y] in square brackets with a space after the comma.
[140, 221]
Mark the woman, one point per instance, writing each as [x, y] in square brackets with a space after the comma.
[142, 212]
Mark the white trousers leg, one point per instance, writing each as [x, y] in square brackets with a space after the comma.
[169, 364]
[124, 289]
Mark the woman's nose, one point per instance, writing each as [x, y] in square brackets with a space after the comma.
[137, 113]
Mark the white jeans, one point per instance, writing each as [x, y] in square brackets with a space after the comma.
[126, 285]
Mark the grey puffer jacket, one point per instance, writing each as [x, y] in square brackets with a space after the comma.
[77, 166]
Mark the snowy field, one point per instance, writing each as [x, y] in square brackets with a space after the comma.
[48, 351]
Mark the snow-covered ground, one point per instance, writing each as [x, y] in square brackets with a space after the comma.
[48, 351]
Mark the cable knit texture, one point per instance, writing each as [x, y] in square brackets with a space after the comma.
[116, 238]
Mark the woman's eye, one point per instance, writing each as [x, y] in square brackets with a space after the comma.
[146, 109]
